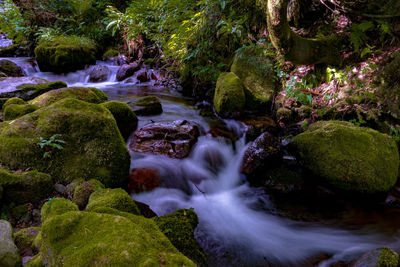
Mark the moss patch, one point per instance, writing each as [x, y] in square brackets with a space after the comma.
[56, 206]
[95, 239]
[13, 101]
[26, 237]
[147, 105]
[110, 53]
[82, 192]
[125, 117]
[229, 98]
[112, 198]
[14, 111]
[349, 157]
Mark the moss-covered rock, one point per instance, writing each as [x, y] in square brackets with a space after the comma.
[30, 91]
[179, 228]
[14, 111]
[112, 198]
[13, 101]
[88, 239]
[229, 98]
[380, 257]
[91, 95]
[147, 105]
[25, 187]
[126, 119]
[9, 256]
[256, 70]
[24, 238]
[349, 157]
[110, 53]
[56, 206]
[65, 55]
[10, 69]
[83, 190]
[36, 261]
[93, 148]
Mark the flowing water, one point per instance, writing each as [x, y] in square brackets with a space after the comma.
[240, 225]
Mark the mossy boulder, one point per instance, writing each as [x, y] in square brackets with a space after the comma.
[93, 148]
[30, 91]
[256, 70]
[56, 206]
[62, 56]
[110, 53]
[112, 198]
[82, 192]
[125, 117]
[14, 111]
[380, 257]
[11, 69]
[25, 187]
[24, 239]
[13, 101]
[229, 97]
[98, 239]
[147, 105]
[179, 228]
[9, 256]
[350, 157]
[91, 95]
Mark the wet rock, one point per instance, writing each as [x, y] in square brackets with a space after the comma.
[99, 74]
[145, 210]
[220, 131]
[60, 188]
[9, 255]
[11, 69]
[142, 76]
[124, 116]
[147, 105]
[256, 126]
[172, 139]
[11, 84]
[127, 70]
[154, 76]
[381, 257]
[260, 155]
[121, 60]
[283, 180]
[142, 180]
[28, 91]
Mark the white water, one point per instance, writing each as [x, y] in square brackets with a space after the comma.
[236, 226]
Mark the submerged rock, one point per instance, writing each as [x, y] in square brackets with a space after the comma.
[172, 139]
[11, 69]
[143, 180]
[147, 105]
[9, 255]
[99, 74]
[124, 116]
[350, 157]
[229, 97]
[380, 257]
[127, 70]
[29, 91]
[92, 144]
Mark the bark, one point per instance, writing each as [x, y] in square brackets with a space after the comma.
[293, 47]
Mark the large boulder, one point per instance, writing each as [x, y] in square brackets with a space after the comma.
[91, 95]
[380, 257]
[125, 117]
[256, 70]
[350, 157]
[28, 91]
[11, 69]
[84, 143]
[9, 255]
[99, 74]
[229, 97]
[25, 187]
[172, 139]
[65, 55]
[99, 239]
[127, 70]
[147, 105]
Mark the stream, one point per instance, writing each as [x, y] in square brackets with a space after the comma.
[240, 225]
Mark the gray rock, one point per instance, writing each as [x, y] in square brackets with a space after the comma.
[9, 255]
[60, 188]
[99, 74]
[127, 71]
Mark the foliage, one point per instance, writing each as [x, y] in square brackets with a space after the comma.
[11, 21]
[298, 88]
[51, 144]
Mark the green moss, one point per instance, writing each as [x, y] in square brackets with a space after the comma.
[25, 187]
[284, 114]
[388, 258]
[93, 149]
[88, 239]
[147, 105]
[14, 111]
[229, 98]
[125, 117]
[36, 261]
[83, 191]
[256, 70]
[179, 228]
[112, 198]
[110, 53]
[65, 54]
[26, 237]
[10, 68]
[13, 101]
[56, 206]
[30, 91]
[349, 157]
[91, 95]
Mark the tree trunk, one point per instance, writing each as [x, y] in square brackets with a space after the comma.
[293, 47]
